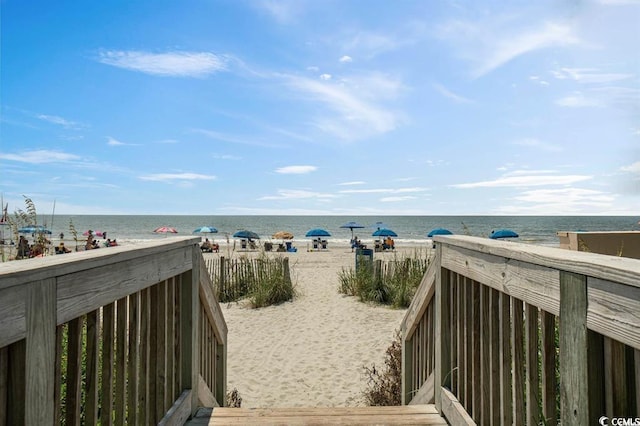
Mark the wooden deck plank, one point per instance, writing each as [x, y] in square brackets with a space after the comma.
[408, 414]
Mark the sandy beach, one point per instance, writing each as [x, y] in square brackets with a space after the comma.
[309, 352]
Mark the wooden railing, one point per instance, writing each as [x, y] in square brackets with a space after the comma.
[127, 334]
[508, 333]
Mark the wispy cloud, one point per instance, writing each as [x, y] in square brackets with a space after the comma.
[577, 100]
[54, 119]
[235, 139]
[525, 181]
[41, 156]
[170, 177]
[325, 77]
[114, 142]
[589, 75]
[561, 201]
[296, 194]
[283, 11]
[296, 170]
[346, 58]
[355, 105]
[355, 182]
[170, 64]
[450, 95]
[492, 43]
[383, 190]
[397, 199]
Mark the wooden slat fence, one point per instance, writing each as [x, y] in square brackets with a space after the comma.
[525, 335]
[108, 337]
[235, 278]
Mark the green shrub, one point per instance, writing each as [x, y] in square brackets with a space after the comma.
[272, 282]
[385, 385]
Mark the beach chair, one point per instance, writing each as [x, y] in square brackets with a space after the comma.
[324, 244]
[315, 244]
[290, 247]
[243, 244]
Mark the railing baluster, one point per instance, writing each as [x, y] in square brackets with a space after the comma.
[93, 353]
[549, 382]
[506, 395]
[108, 321]
[517, 350]
[121, 361]
[132, 356]
[531, 355]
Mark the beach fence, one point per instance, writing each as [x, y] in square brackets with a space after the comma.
[126, 335]
[510, 333]
[236, 278]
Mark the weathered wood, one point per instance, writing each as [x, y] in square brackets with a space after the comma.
[132, 357]
[442, 333]
[597, 392]
[517, 350]
[494, 360]
[87, 290]
[614, 310]
[13, 326]
[532, 377]
[609, 268]
[460, 333]
[121, 361]
[212, 307]
[468, 400]
[636, 361]
[189, 304]
[453, 320]
[453, 410]
[172, 392]
[180, 411]
[549, 382]
[425, 394]
[422, 298]
[143, 416]
[160, 352]
[57, 389]
[574, 388]
[74, 372]
[153, 357]
[615, 376]
[4, 384]
[484, 410]
[40, 352]
[205, 397]
[93, 352]
[476, 392]
[16, 383]
[407, 365]
[108, 323]
[506, 373]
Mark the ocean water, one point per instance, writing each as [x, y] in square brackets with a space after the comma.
[539, 230]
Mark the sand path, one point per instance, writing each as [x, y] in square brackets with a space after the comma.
[309, 352]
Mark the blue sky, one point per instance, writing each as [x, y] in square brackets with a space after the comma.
[321, 107]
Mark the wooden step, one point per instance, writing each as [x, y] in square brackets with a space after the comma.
[400, 415]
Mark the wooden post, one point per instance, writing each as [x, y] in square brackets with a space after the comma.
[40, 352]
[287, 272]
[189, 312]
[222, 280]
[407, 367]
[442, 332]
[574, 386]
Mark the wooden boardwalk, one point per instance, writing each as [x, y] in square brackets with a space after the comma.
[403, 415]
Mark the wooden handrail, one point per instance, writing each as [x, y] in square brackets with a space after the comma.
[148, 299]
[496, 309]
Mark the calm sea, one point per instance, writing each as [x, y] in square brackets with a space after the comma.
[539, 230]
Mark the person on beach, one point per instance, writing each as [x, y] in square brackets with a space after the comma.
[90, 241]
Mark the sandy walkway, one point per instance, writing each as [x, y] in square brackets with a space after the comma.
[309, 352]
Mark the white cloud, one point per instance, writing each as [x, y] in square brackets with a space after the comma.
[41, 156]
[295, 194]
[175, 64]
[564, 201]
[493, 43]
[632, 168]
[577, 100]
[589, 75]
[450, 95]
[354, 109]
[281, 10]
[313, 69]
[396, 199]
[346, 58]
[114, 142]
[356, 182]
[169, 177]
[325, 77]
[296, 170]
[383, 190]
[54, 119]
[525, 180]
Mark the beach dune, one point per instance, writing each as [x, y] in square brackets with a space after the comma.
[309, 352]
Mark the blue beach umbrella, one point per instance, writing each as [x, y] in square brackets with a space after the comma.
[439, 231]
[206, 230]
[503, 233]
[384, 232]
[34, 229]
[352, 226]
[317, 232]
[246, 234]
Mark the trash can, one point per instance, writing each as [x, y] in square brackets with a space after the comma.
[364, 258]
